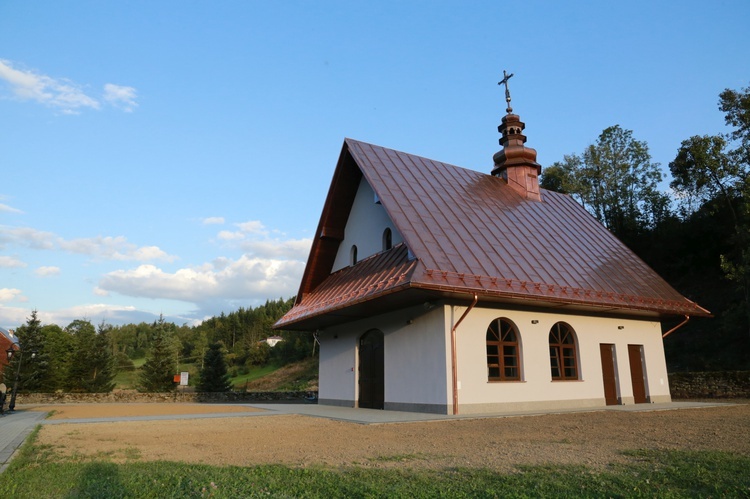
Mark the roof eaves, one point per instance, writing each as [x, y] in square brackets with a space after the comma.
[448, 281]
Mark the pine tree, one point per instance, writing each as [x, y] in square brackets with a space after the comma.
[157, 374]
[214, 376]
[91, 367]
[35, 364]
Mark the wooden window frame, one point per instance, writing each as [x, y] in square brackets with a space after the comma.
[563, 348]
[504, 337]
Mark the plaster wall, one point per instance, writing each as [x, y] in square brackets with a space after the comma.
[536, 388]
[414, 359]
[417, 357]
[416, 372]
[364, 228]
[338, 362]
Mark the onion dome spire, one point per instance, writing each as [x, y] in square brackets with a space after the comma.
[515, 162]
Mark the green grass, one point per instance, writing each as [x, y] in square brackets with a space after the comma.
[128, 380]
[37, 473]
[253, 374]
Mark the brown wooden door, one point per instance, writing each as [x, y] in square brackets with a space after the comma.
[371, 370]
[608, 373]
[635, 354]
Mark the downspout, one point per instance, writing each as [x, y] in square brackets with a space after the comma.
[454, 360]
[678, 326]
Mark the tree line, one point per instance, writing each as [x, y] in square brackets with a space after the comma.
[82, 357]
[697, 238]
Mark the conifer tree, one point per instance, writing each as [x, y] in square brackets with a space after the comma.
[35, 362]
[157, 374]
[91, 367]
[214, 376]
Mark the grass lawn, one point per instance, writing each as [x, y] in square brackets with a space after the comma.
[34, 474]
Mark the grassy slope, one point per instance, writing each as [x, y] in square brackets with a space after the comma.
[301, 375]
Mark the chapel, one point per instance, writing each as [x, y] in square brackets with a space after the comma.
[435, 288]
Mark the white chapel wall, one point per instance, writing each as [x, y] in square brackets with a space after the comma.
[414, 360]
[418, 361]
[364, 228]
[338, 363]
[537, 389]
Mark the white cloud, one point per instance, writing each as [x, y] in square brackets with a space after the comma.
[228, 235]
[114, 248]
[247, 278]
[12, 317]
[27, 237]
[252, 227]
[10, 262]
[57, 93]
[10, 294]
[47, 271]
[61, 93]
[120, 96]
[8, 209]
[99, 247]
[297, 249]
[213, 221]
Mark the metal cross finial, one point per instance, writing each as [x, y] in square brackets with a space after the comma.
[504, 81]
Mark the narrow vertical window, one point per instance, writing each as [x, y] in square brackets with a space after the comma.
[502, 351]
[562, 352]
[353, 255]
[387, 239]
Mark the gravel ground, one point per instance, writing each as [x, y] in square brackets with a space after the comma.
[594, 439]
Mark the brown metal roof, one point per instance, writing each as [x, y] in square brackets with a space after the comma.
[470, 232]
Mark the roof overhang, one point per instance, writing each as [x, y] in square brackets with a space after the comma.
[409, 295]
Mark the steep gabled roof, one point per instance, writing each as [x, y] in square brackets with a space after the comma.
[469, 232]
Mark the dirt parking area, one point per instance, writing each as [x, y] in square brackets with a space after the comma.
[593, 439]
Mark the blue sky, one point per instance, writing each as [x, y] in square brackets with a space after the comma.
[172, 157]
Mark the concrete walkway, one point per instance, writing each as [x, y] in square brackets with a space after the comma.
[16, 426]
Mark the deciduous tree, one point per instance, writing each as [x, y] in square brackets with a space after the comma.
[718, 167]
[615, 180]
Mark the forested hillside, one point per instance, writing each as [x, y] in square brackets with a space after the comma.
[83, 357]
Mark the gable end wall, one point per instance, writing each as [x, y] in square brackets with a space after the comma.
[364, 228]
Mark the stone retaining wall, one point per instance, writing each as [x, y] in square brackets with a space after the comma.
[724, 384]
[134, 396]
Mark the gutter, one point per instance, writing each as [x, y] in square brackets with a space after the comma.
[454, 359]
[678, 326]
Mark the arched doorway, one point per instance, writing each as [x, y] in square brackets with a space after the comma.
[371, 370]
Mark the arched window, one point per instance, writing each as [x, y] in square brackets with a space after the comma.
[502, 351]
[562, 352]
[387, 239]
[353, 255]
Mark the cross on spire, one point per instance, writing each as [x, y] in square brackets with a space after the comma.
[504, 81]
